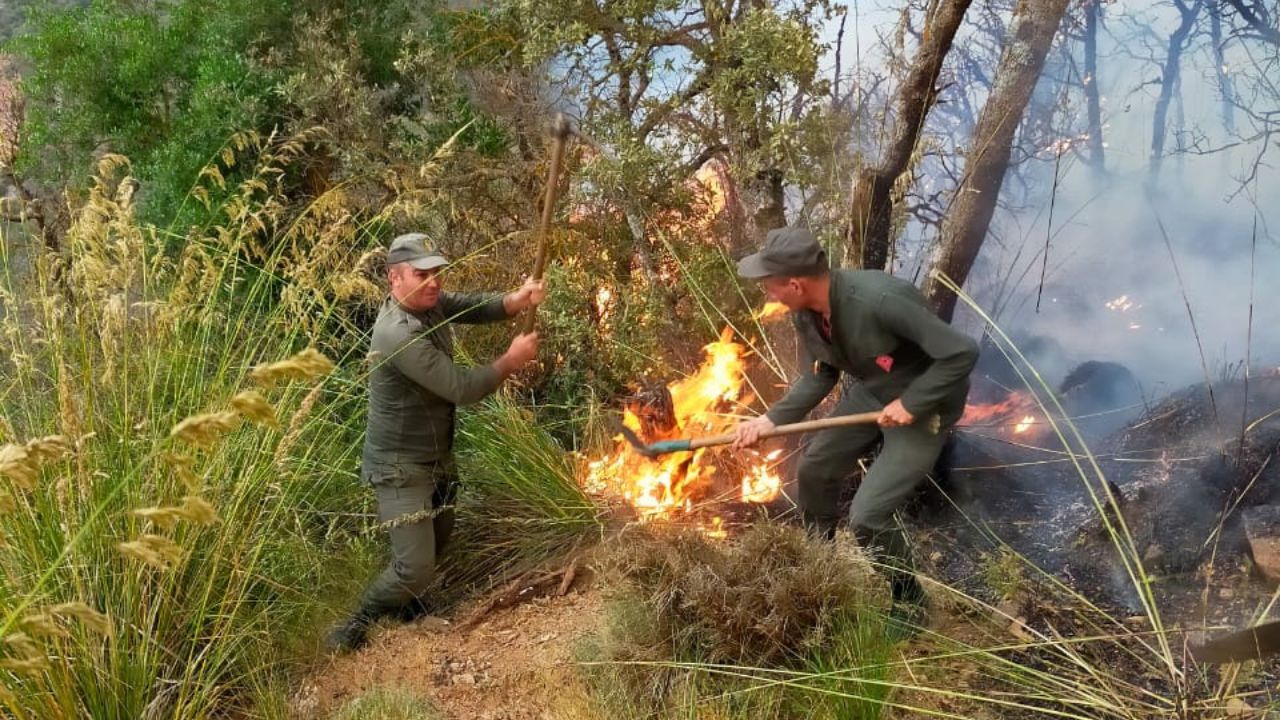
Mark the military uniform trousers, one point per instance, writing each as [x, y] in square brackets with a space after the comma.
[907, 456]
[415, 501]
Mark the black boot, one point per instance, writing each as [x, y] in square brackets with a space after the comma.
[353, 633]
[906, 590]
[910, 612]
[348, 636]
[891, 554]
[412, 610]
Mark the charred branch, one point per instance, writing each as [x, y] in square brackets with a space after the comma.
[1169, 81]
[871, 208]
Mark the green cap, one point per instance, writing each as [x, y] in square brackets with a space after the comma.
[787, 252]
[412, 249]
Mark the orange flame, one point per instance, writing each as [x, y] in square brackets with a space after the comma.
[770, 311]
[713, 185]
[761, 484]
[1018, 411]
[716, 531]
[703, 404]
[604, 304]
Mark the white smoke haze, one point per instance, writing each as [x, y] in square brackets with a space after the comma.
[1106, 245]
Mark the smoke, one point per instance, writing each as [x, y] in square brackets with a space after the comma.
[1123, 271]
[1110, 289]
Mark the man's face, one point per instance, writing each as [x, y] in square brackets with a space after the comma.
[788, 291]
[416, 290]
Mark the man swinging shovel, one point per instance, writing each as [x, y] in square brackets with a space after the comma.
[911, 368]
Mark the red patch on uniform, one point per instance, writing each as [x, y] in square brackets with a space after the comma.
[885, 362]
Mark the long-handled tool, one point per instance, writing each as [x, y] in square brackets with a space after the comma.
[560, 130]
[665, 447]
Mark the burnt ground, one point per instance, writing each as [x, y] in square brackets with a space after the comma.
[1184, 472]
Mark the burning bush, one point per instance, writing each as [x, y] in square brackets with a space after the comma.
[707, 402]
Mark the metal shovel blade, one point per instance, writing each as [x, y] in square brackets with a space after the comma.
[636, 443]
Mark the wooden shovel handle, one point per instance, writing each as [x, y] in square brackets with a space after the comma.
[559, 138]
[866, 418]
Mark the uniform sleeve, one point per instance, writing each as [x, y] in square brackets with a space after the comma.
[806, 391]
[425, 364]
[954, 353]
[472, 308]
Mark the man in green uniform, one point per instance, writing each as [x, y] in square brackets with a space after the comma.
[908, 364]
[414, 390]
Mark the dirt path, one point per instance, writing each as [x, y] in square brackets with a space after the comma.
[516, 665]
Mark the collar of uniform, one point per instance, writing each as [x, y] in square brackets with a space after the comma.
[431, 315]
[835, 292]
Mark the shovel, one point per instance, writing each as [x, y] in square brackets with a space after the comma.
[666, 447]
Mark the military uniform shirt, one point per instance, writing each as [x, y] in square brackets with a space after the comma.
[885, 335]
[414, 385]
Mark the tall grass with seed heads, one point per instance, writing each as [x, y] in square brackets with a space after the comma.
[176, 469]
[180, 439]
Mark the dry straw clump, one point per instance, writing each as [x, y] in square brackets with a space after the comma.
[204, 430]
[255, 408]
[768, 598]
[91, 619]
[157, 551]
[23, 655]
[193, 509]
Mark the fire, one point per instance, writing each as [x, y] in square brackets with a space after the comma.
[710, 178]
[1017, 411]
[770, 311]
[761, 484]
[604, 304]
[702, 404]
[1124, 303]
[716, 531]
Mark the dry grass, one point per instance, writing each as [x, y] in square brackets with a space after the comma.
[707, 628]
[769, 598]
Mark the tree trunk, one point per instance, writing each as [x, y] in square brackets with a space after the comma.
[770, 202]
[1168, 81]
[1220, 66]
[1034, 25]
[871, 206]
[1097, 152]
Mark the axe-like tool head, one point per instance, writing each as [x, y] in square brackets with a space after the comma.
[561, 128]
